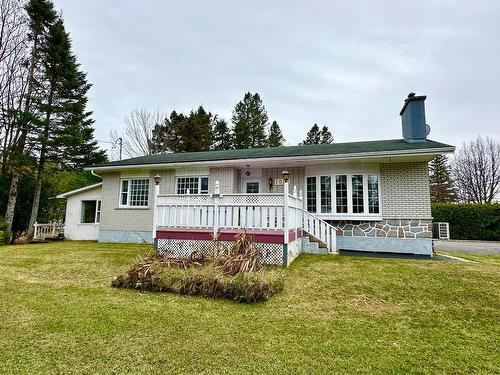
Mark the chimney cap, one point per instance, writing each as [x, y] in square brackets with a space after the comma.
[411, 96]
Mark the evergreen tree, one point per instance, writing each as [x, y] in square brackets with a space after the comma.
[66, 134]
[442, 189]
[41, 15]
[326, 136]
[313, 136]
[223, 139]
[181, 133]
[276, 138]
[250, 122]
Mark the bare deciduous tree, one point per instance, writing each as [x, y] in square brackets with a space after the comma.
[476, 170]
[137, 137]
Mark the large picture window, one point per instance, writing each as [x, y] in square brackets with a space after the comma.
[134, 192]
[195, 185]
[348, 195]
[91, 212]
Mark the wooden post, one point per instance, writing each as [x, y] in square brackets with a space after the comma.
[215, 197]
[285, 214]
[36, 230]
[155, 210]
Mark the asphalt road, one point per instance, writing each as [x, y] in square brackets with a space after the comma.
[474, 247]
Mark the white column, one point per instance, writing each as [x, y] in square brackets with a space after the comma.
[216, 196]
[285, 213]
[155, 209]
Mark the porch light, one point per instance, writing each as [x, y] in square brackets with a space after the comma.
[157, 179]
[285, 174]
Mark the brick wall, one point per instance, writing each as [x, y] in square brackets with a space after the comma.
[115, 218]
[226, 178]
[405, 191]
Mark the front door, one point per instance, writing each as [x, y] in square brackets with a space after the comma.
[252, 187]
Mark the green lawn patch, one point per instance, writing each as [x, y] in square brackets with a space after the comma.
[337, 314]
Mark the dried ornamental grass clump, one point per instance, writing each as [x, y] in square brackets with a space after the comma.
[234, 273]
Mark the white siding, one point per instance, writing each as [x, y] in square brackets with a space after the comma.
[73, 229]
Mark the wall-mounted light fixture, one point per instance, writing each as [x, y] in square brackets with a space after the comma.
[157, 179]
[285, 174]
[270, 183]
[247, 173]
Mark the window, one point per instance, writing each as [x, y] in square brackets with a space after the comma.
[91, 212]
[373, 201]
[341, 193]
[134, 192]
[357, 194]
[326, 194]
[195, 185]
[311, 194]
[252, 187]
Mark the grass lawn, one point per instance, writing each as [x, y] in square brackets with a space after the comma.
[337, 315]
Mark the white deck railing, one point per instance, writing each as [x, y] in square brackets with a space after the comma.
[47, 230]
[249, 211]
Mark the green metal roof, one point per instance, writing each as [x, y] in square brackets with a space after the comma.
[386, 146]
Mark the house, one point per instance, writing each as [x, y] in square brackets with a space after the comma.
[369, 196]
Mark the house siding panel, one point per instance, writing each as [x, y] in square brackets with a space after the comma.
[296, 179]
[405, 191]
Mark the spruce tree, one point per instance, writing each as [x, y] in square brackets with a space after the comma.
[66, 135]
[326, 136]
[181, 133]
[250, 122]
[223, 139]
[442, 189]
[276, 138]
[313, 136]
[41, 15]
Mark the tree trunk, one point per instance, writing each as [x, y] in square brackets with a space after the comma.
[16, 171]
[41, 168]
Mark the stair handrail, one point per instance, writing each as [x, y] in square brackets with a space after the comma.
[323, 231]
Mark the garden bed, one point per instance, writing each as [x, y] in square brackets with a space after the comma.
[233, 272]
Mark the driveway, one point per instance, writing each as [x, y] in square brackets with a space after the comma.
[474, 247]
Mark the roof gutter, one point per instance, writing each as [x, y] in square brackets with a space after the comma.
[341, 157]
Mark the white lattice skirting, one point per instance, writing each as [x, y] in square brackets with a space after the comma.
[272, 254]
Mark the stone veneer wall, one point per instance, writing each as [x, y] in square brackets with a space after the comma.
[394, 228]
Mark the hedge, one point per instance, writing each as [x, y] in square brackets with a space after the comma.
[471, 221]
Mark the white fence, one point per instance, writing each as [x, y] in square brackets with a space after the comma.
[49, 230]
[249, 211]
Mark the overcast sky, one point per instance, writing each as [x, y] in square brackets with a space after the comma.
[346, 64]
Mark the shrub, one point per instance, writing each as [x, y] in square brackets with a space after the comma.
[470, 221]
[5, 235]
[208, 281]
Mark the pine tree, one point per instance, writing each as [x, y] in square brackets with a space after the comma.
[326, 136]
[442, 189]
[66, 135]
[250, 122]
[223, 139]
[313, 136]
[276, 138]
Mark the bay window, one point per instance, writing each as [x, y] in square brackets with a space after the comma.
[134, 192]
[345, 195]
[326, 194]
[311, 194]
[195, 185]
[373, 199]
